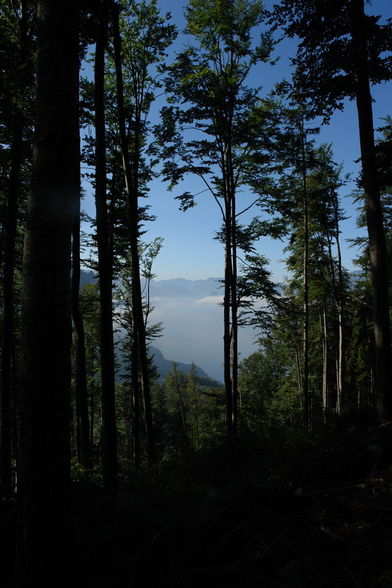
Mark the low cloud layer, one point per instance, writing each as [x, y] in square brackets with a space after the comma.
[193, 326]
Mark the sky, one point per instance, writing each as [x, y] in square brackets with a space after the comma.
[193, 326]
[189, 249]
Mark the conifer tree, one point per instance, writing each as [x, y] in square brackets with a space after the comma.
[341, 52]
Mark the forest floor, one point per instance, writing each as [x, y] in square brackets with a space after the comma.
[279, 513]
[317, 513]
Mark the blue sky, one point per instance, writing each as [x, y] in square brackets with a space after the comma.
[189, 249]
[193, 326]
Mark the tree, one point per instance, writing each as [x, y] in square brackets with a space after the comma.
[90, 313]
[177, 404]
[295, 202]
[17, 76]
[147, 38]
[81, 390]
[193, 393]
[44, 459]
[124, 316]
[360, 372]
[260, 378]
[341, 51]
[208, 87]
[105, 260]
[307, 201]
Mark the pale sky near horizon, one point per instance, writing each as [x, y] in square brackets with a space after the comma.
[189, 248]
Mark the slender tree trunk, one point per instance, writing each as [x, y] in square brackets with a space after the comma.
[338, 297]
[374, 216]
[131, 176]
[230, 302]
[234, 299]
[181, 406]
[44, 452]
[195, 402]
[227, 334]
[305, 387]
[340, 310]
[299, 374]
[341, 364]
[10, 230]
[8, 307]
[82, 418]
[135, 392]
[105, 265]
[234, 338]
[92, 424]
[325, 361]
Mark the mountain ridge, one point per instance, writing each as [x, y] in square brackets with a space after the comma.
[165, 366]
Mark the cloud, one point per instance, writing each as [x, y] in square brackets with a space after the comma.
[210, 300]
[193, 332]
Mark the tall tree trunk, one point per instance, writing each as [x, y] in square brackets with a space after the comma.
[300, 380]
[234, 298]
[340, 304]
[7, 343]
[305, 386]
[227, 332]
[195, 403]
[325, 360]
[135, 393]
[92, 422]
[374, 216]
[10, 230]
[230, 302]
[177, 388]
[82, 417]
[44, 452]
[105, 264]
[141, 380]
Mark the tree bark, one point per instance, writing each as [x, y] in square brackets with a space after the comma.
[305, 386]
[8, 307]
[234, 297]
[82, 417]
[44, 451]
[105, 265]
[10, 231]
[141, 381]
[230, 302]
[374, 216]
[340, 303]
[228, 277]
[325, 360]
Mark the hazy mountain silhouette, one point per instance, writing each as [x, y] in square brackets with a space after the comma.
[192, 319]
[164, 367]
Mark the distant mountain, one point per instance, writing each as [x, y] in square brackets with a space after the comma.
[165, 366]
[174, 288]
[181, 288]
[87, 277]
[192, 319]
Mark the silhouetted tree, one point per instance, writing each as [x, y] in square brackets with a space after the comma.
[341, 52]
[44, 458]
[208, 85]
[105, 260]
